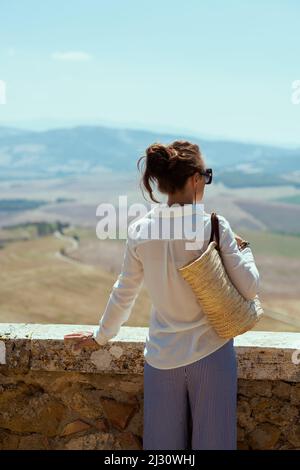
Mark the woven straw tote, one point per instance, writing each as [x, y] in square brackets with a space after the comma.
[228, 311]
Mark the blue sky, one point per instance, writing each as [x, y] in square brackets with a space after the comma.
[213, 68]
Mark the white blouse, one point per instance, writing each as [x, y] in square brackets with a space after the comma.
[179, 332]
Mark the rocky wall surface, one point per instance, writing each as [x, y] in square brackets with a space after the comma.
[52, 397]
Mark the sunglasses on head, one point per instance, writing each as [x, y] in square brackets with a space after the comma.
[208, 175]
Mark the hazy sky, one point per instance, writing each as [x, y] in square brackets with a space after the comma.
[217, 68]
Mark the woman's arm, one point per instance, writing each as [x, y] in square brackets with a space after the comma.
[123, 295]
[240, 265]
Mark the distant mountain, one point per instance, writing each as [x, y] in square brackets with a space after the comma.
[11, 131]
[86, 149]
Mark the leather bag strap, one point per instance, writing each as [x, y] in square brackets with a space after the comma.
[215, 229]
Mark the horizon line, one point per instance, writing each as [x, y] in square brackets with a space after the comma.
[66, 123]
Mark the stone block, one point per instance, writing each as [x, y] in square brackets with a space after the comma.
[265, 436]
[118, 413]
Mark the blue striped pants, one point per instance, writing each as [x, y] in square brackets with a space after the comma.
[192, 406]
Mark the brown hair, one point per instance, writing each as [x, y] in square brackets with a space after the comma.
[169, 166]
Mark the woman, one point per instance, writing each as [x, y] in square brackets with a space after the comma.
[190, 373]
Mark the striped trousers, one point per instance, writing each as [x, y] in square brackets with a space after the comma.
[192, 406]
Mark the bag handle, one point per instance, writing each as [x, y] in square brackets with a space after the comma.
[215, 229]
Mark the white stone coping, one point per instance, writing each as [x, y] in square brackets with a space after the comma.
[261, 354]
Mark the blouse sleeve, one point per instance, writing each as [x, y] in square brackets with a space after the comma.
[240, 265]
[122, 297]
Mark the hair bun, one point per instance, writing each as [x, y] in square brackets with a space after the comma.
[161, 158]
[169, 166]
[158, 157]
[174, 157]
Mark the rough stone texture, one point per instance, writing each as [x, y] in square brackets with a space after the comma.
[74, 427]
[61, 410]
[293, 436]
[264, 436]
[52, 397]
[267, 418]
[282, 390]
[118, 413]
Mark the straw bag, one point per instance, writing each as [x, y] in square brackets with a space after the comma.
[227, 310]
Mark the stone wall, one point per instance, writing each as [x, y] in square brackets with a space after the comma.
[268, 414]
[52, 397]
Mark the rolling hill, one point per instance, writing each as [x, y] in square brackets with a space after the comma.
[84, 150]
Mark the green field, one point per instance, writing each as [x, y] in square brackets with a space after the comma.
[273, 244]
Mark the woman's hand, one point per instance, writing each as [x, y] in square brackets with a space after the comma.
[238, 238]
[83, 339]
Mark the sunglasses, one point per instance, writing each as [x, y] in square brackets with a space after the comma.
[208, 175]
